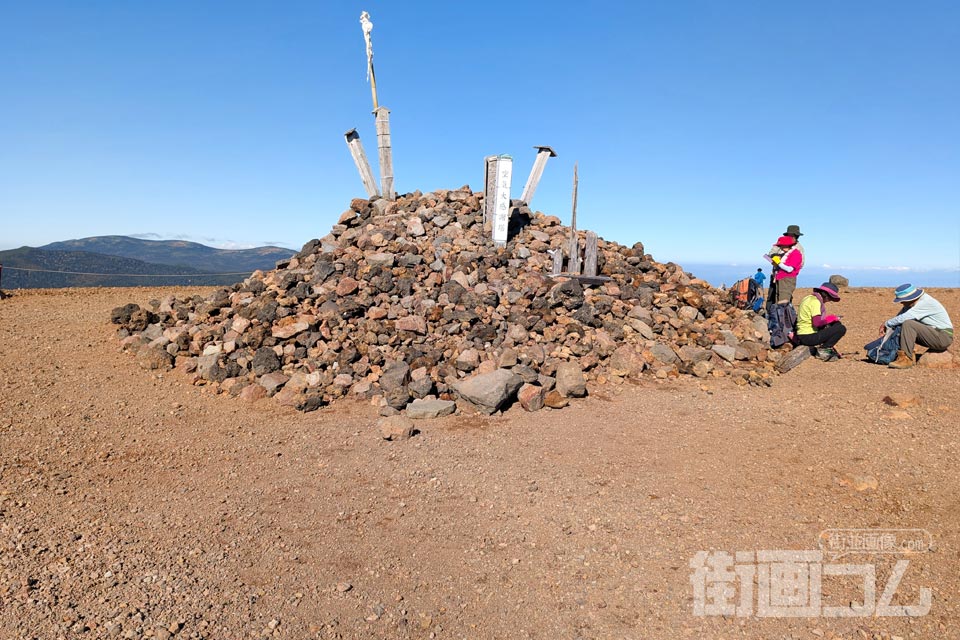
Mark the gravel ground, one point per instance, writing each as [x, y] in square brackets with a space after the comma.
[135, 505]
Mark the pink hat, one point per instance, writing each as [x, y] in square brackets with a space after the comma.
[786, 241]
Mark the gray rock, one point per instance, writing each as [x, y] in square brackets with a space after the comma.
[154, 357]
[570, 380]
[153, 331]
[760, 326]
[265, 361]
[839, 280]
[489, 391]
[468, 360]
[381, 259]
[527, 374]
[397, 398]
[641, 327]
[209, 368]
[748, 350]
[426, 409]
[395, 374]
[641, 313]
[420, 388]
[415, 227]
[663, 353]
[273, 381]
[626, 361]
[691, 354]
[729, 338]
[726, 352]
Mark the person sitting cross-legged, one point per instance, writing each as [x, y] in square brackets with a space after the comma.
[816, 328]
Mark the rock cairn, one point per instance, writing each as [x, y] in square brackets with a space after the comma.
[409, 302]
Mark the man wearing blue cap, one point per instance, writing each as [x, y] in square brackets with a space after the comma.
[922, 320]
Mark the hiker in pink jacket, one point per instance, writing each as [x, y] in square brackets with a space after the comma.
[786, 267]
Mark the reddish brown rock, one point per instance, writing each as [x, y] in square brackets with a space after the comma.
[347, 286]
[531, 397]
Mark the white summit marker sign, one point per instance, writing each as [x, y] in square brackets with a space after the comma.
[501, 213]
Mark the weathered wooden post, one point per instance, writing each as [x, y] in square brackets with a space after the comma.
[385, 152]
[381, 116]
[573, 266]
[489, 188]
[590, 255]
[501, 216]
[557, 256]
[543, 153]
[363, 165]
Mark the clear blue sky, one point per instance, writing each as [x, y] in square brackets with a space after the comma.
[701, 128]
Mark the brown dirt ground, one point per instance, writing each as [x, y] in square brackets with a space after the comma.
[132, 503]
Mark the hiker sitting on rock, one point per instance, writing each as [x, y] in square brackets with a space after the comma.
[922, 320]
[815, 328]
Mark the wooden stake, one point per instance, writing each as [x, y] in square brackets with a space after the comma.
[557, 255]
[536, 172]
[363, 165]
[590, 255]
[573, 266]
[373, 87]
[489, 188]
[385, 152]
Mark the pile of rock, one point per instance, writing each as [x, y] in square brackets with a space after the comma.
[410, 301]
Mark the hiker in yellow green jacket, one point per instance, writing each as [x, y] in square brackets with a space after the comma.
[817, 328]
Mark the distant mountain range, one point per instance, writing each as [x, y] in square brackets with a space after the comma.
[127, 262]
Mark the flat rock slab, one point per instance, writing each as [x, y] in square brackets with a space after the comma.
[489, 391]
[426, 409]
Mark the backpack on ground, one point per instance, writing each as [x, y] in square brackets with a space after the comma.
[746, 294]
[883, 350]
[781, 319]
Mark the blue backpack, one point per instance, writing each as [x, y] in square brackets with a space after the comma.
[883, 350]
[781, 319]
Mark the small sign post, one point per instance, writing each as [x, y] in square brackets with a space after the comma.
[501, 216]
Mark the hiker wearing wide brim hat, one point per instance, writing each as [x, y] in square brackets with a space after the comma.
[922, 320]
[787, 262]
[817, 328]
[793, 230]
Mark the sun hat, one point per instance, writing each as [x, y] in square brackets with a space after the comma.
[793, 230]
[830, 289]
[906, 293]
[786, 241]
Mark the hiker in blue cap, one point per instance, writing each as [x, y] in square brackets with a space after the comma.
[922, 320]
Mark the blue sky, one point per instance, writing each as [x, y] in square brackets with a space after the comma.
[701, 128]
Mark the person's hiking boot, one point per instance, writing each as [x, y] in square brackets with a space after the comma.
[828, 354]
[903, 361]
